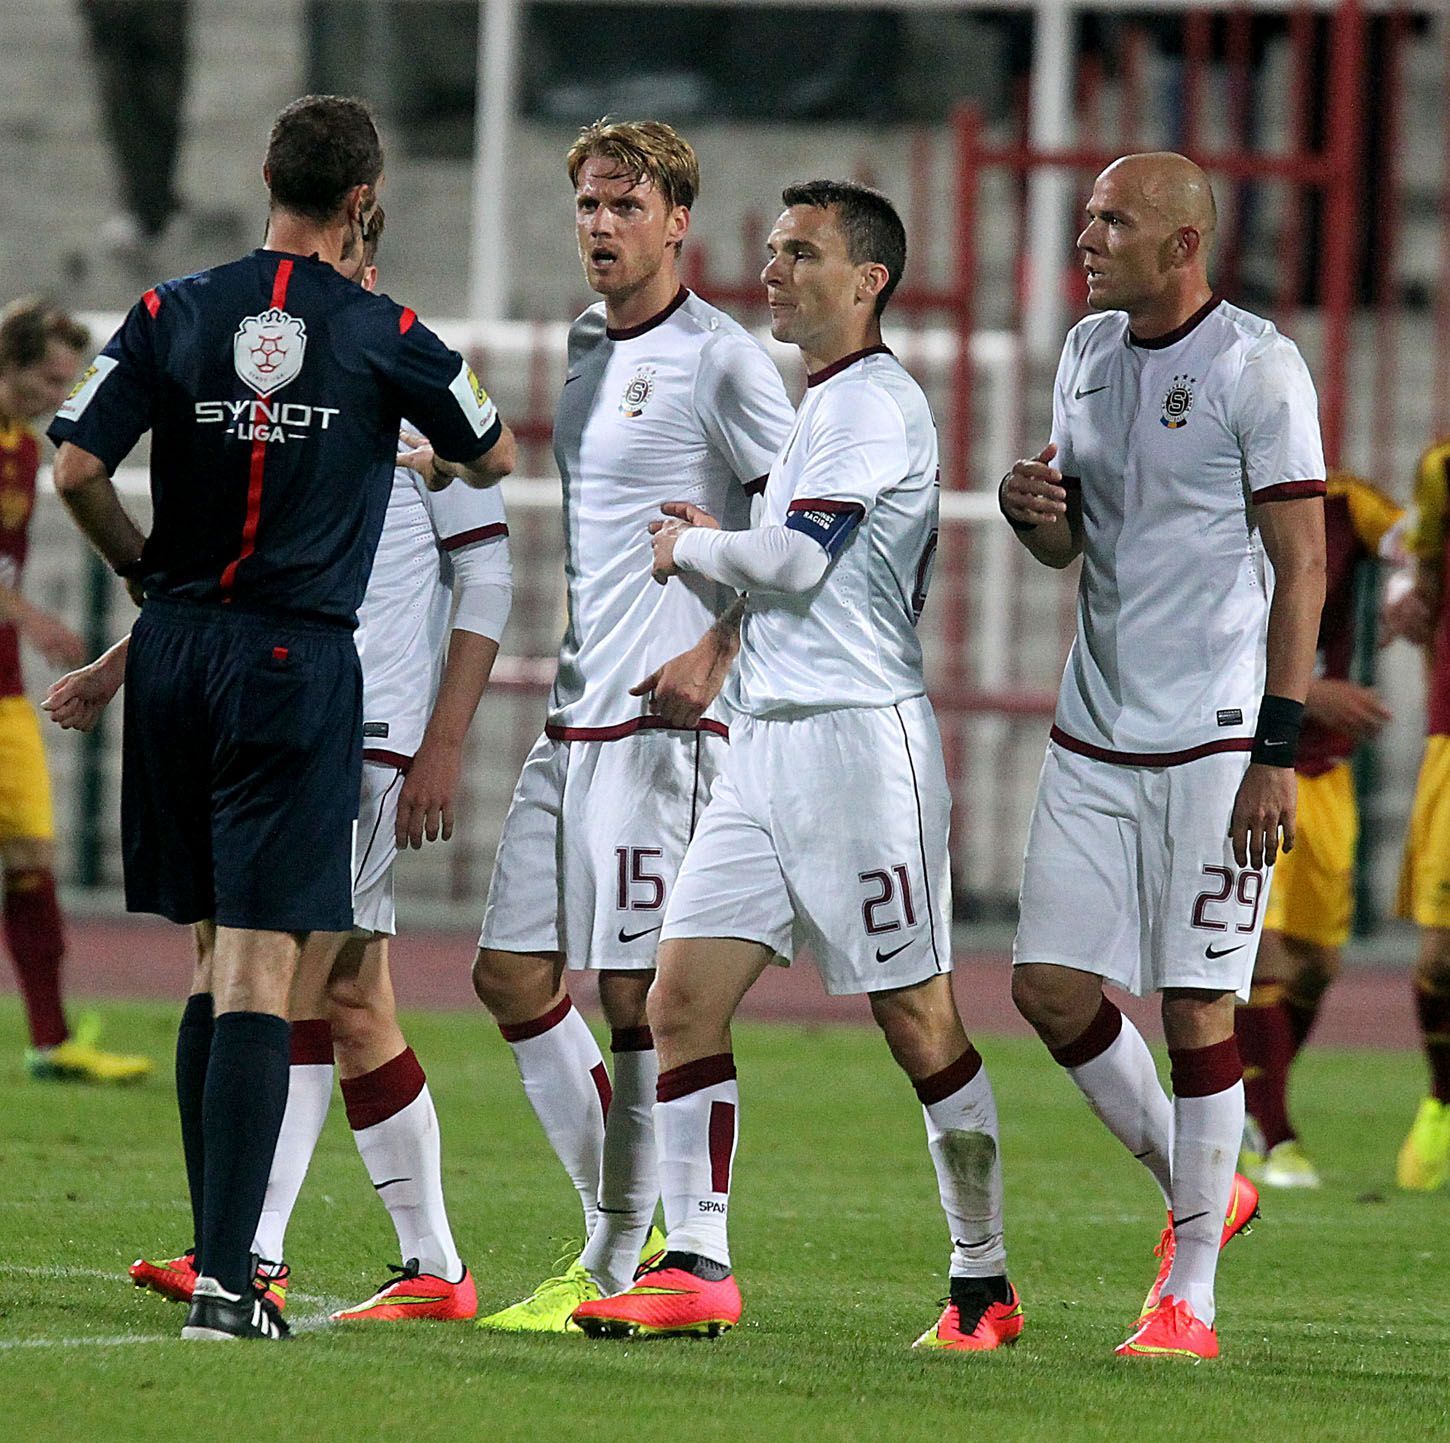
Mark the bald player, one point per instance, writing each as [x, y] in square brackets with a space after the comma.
[1186, 469]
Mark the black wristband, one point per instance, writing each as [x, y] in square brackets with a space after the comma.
[1276, 741]
[130, 570]
[1018, 526]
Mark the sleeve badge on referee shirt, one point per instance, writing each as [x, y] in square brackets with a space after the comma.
[267, 350]
[1178, 402]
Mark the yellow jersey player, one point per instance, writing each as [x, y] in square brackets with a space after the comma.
[1311, 902]
[1424, 1160]
[40, 353]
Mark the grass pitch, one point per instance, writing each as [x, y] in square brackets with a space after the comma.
[1332, 1313]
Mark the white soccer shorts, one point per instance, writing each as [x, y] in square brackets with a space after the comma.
[1129, 873]
[592, 842]
[827, 834]
[375, 850]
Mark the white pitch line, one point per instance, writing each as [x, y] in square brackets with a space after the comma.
[119, 1341]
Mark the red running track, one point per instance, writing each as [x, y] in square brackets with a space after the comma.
[142, 958]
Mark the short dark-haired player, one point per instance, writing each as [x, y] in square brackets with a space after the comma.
[828, 825]
[1186, 469]
[1311, 904]
[41, 349]
[274, 388]
[666, 398]
[441, 554]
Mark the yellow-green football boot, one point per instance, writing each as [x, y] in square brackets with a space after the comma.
[1424, 1161]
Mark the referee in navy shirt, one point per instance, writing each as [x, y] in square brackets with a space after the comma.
[273, 388]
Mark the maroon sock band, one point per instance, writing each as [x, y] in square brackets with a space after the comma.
[36, 940]
[384, 1092]
[522, 1031]
[954, 1076]
[312, 1043]
[1203, 1071]
[1432, 1007]
[695, 1076]
[1100, 1035]
[1266, 1048]
[600, 1075]
[631, 1039]
[722, 1144]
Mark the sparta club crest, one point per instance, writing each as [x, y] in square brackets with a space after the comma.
[267, 350]
[637, 393]
[1178, 402]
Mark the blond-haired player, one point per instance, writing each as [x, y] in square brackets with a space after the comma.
[1424, 1160]
[1311, 902]
[666, 399]
[1186, 469]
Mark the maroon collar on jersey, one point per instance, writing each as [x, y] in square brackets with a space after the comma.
[836, 367]
[628, 333]
[1172, 338]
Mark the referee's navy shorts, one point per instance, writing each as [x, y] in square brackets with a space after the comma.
[241, 768]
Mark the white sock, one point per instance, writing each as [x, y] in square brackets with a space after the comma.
[696, 1126]
[568, 1087]
[1207, 1130]
[404, 1160]
[961, 1134]
[629, 1183]
[1120, 1082]
[309, 1092]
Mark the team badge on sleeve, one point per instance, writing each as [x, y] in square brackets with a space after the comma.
[1178, 402]
[268, 349]
[475, 402]
[637, 393]
[84, 390]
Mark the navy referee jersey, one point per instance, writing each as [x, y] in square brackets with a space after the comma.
[274, 388]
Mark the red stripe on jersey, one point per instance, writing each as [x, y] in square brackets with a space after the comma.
[1289, 491]
[1149, 759]
[627, 729]
[805, 504]
[405, 321]
[479, 533]
[152, 302]
[754, 488]
[258, 467]
[387, 759]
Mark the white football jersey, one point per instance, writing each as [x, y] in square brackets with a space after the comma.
[687, 407]
[403, 623]
[1175, 442]
[863, 442]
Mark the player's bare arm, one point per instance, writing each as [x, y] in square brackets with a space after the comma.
[1346, 707]
[85, 487]
[55, 641]
[1264, 810]
[1046, 516]
[425, 805]
[76, 700]
[437, 471]
[682, 689]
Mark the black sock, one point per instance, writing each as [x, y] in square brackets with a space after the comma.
[973, 1296]
[246, 1095]
[193, 1050]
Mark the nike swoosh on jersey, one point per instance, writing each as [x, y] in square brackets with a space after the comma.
[1091, 391]
[574, 377]
[1223, 952]
[887, 956]
[635, 936]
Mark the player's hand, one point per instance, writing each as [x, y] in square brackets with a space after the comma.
[682, 515]
[419, 457]
[425, 805]
[684, 686]
[1356, 711]
[1263, 810]
[55, 641]
[1032, 491]
[77, 700]
[1409, 616]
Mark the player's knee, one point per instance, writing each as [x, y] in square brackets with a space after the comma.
[670, 1008]
[357, 1012]
[1433, 966]
[494, 983]
[1317, 968]
[1035, 996]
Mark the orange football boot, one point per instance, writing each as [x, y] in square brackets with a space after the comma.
[999, 1325]
[415, 1294]
[1243, 1208]
[176, 1278]
[670, 1300]
[1171, 1331]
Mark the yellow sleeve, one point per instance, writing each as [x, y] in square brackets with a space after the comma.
[1426, 536]
[1372, 514]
